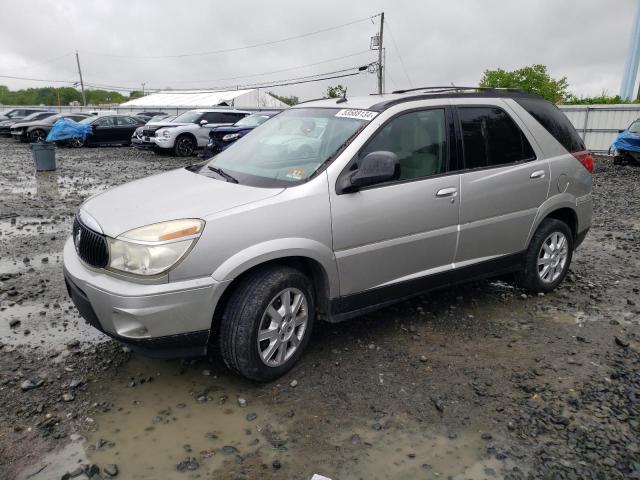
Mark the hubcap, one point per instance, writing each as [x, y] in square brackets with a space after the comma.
[184, 146]
[552, 258]
[282, 327]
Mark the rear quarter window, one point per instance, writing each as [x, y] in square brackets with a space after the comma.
[554, 121]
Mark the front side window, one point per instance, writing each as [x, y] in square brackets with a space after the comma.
[124, 121]
[419, 141]
[491, 138]
[289, 148]
[189, 117]
[104, 122]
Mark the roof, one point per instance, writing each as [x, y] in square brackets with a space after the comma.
[206, 98]
[382, 102]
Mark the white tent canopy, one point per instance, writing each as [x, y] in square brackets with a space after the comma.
[253, 98]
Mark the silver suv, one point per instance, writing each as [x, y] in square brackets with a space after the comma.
[332, 209]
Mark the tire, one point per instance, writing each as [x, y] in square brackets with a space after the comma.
[76, 142]
[255, 306]
[535, 276]
[185, 146]
[37, 135]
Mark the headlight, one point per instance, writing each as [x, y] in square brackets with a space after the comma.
[230, 136]
[155, 248]
[166, 134]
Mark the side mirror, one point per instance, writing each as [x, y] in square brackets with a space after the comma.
[620, 131]
[203, 123]
[375, 168]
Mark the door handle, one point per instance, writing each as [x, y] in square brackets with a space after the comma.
[537, 174]
[447, 192]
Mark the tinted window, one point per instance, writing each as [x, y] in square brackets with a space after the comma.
[222, 117]
[554, 121]
[124, 121]
[104, 122]
[419, 141]
[491, 137]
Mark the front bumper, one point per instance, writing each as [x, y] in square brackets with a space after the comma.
[140, 143]
[160, 320]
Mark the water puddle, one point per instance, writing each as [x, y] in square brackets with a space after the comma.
[174, 422]
[52, 185]
[50, 327]
[31, 226]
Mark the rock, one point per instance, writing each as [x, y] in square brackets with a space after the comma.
[355, 439]
[189, 464]
[276, 464]
[621, 342]
[73, 344]
[293, 384]
[111, 470]
[423, 358]
[376, 426]
[67, 397]
[438, 404]
[229, 450]
[252, 416]
[486, 436]
[242, 402]
[30, 384]
[14, 322]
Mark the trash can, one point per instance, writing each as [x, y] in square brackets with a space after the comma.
[44, 154]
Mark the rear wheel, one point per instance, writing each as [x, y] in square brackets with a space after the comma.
[76, 142]
[267, 323]
[548, 257]
[37, 135]
[185, 146]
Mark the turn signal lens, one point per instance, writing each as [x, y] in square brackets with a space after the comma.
[162, 232]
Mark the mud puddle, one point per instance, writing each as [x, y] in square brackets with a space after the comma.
[164, 419]
[31, 226]
[53, 185]
[30, 263]
[50, 328]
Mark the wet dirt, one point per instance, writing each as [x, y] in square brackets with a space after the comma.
[478, 381]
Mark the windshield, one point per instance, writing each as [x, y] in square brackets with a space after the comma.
[635, 127]
[36, 116]
[252, 121]
[188, 117]
[289, 148]
[52, 119]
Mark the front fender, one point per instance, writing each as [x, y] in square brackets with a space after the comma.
[281, 248]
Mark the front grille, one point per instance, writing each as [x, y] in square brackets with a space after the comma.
[91, 246]
[149, 131]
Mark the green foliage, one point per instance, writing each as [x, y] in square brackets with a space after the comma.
[53, 96]
[292, 100]
[336, 92]
[603, 99]
[135, 94]
[533, 79]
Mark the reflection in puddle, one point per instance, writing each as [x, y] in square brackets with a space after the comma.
[32, 226]
[55, 464]
[19, 265]
[164, 413]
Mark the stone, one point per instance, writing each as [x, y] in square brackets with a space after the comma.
[293, 384]
[111, 470]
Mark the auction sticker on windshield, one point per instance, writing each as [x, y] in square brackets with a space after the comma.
[359, 114]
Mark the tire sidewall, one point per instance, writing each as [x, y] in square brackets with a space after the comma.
[547, 227]
[179, 140]
[249, 362]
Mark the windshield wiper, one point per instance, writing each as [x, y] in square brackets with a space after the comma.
[223, 174]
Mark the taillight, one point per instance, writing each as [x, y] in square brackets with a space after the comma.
[585, 158]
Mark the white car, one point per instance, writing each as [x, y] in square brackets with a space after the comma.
[190, 131]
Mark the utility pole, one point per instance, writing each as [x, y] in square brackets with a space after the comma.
[380, 67]
[143, 84]
[84, 99]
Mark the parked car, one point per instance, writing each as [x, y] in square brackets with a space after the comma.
[138, 139]
[6, 125]
[626, 146]
[378, 199]
[190, 131]
[37, 130]
[147, 115]
[108, 130]
[221, 137]
[19, 113]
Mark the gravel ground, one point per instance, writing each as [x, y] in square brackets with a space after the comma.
[478, 381]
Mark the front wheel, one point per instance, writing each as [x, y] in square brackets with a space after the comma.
[548, 257]
[185, 146]
[267, 323]
[37, 135]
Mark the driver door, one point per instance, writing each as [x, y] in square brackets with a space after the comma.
[397, 233]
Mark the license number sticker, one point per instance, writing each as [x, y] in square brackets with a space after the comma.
[367, 115]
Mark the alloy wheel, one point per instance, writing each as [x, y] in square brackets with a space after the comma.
[185, 146]
[282, 327]
[552, 257]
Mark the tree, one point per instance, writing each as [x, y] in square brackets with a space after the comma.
[533, 79]
[292, 100]
[135, 94]
[336, 92]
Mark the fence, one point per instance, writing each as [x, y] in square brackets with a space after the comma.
[598, 125]
[171, 110]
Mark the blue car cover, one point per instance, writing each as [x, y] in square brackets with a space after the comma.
[627, 142]
[65, 129]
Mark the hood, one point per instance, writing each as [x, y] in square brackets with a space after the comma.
[28, 124]
[231, 129]
[168, 125]
[168, 196]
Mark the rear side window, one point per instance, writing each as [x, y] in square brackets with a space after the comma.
[554, 121]
[491, 138]
[223, 117]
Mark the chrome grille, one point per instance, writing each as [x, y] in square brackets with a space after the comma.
[91, 246]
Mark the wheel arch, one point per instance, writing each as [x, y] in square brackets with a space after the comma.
[563, 210]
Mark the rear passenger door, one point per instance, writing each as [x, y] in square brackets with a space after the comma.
[503, 183]
[125, 128]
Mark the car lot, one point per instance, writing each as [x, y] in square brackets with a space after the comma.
[477, 381]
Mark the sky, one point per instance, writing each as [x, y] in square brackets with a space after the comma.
[427, 42]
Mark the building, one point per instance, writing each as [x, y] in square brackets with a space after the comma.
[190, 99]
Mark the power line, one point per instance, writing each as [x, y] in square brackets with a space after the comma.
[235, 49]
[395, 46]
[38, 79]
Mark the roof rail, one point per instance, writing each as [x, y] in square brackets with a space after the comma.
[453, 88]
